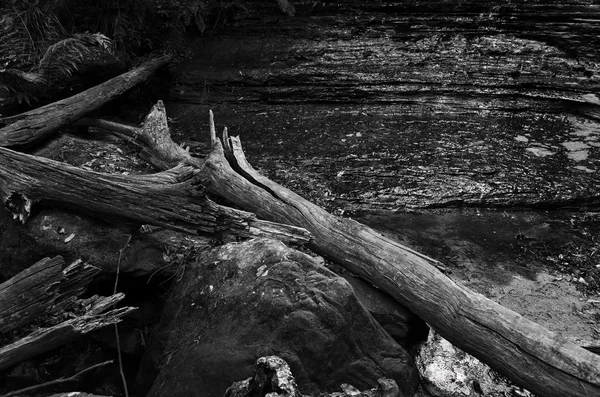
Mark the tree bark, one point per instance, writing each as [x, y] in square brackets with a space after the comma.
[26, 128]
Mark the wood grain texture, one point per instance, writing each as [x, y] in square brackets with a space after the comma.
[46, 339]
[173, 199]
[30, 293]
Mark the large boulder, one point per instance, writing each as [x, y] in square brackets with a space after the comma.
[260, 298]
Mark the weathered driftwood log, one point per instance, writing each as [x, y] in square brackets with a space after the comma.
[41, 288]
[46, 339]
[525, 352]
[46, 288]
[174, 199]
[25, 128]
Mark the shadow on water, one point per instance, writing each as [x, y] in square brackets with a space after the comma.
[480, 245]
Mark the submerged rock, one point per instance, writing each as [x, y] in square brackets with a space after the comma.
[260, 298]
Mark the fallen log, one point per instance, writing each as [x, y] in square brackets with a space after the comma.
[46, 339]
[525, 352]
[46, 289]
[41, 288]
[26, 128]
[173, 199]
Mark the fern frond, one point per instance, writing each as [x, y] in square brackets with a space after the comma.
[287, 7]
[61, 59]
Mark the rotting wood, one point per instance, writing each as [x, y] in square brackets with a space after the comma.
[44, 290]
[26, 128]
[40, 289]
[46, 339]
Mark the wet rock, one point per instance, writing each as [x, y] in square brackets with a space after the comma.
[272, 377]
[447, 371]
[259, 298]
[398, 105]
[403, 325]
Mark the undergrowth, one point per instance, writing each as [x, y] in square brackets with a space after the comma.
[45, 41]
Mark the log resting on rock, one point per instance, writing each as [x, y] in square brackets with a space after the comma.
[527, 353]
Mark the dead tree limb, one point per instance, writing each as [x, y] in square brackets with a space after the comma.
[174, 199]
[522, 350]
[26, 128]
[527, 353]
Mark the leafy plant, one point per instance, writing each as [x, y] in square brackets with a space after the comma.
[287, 7]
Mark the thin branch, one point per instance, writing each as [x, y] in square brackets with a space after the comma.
[213, 132]
[125, 389]
[57, 381]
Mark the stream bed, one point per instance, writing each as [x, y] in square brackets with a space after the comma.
[470, 133]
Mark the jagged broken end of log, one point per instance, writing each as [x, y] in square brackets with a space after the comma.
[44, 289]
[19, 206]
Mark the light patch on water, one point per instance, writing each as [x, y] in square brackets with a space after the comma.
[575, 145]
[585, 169]
[584, 128]
[521, 138]
[539, 151]
[594, 144]
[577, 151]
[591, 98]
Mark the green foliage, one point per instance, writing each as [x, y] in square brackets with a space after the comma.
[43, 42]
[36, 50]
[287, 7]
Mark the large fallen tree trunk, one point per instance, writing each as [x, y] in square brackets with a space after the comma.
[527, 353]
[26, 128]
[174, 199]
